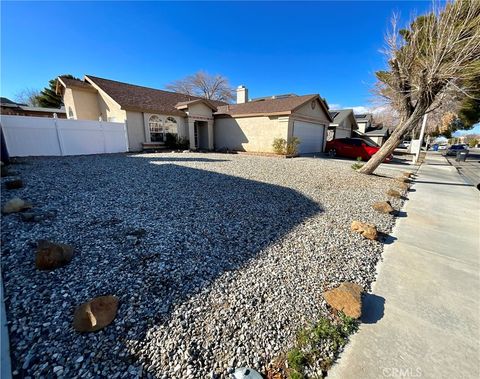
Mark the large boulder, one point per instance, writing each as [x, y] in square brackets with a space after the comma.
[394, 193]
[403, 186]
[347, 297]
[383, 207]
[52, 255]
[95, 314]
[16, 205]
[407, 174]
[367, 230]
[14, 184]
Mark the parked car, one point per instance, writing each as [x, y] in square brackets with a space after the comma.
[404, 145]
[353, 148]
[454, 149]
[442, 147]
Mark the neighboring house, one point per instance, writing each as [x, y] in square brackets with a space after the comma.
[343, 124]
[150, 114]
[9, 107]
[369, 132]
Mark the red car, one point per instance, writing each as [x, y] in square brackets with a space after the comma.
[353, 148]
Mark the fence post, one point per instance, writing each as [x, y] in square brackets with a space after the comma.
[102, 128]
[126, 134]
[59, 138]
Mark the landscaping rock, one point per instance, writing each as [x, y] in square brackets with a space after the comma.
[367, 230]
[403, 186]
[402, 179]
[394, 193]
[347, 298]
[383, 207]
[14, 184]
[4, 170]
[16, 205]
[407, 174]
[52, 255]
[95, 314]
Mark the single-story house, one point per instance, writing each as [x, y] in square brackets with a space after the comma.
[343, 124]
[370, 132]
[9, 107]
[150, 114]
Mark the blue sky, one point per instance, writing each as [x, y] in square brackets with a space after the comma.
[331, 48]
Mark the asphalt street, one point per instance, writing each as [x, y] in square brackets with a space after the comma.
[470, 169]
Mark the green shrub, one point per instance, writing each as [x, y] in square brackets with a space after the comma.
[173, 141]
[472, 142]
[292, 147]
[279, 146]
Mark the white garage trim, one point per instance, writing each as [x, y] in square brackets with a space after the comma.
[311, 136]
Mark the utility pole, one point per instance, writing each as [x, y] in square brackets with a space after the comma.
[422, 134]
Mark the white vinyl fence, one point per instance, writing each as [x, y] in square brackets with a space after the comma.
[42, 136]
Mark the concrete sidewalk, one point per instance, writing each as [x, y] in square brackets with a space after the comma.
[423, 319]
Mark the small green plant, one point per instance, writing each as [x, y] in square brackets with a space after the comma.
[357, 165]
[296, 361]
[310, 340]
[279, 146]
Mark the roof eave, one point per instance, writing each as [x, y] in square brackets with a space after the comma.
[262, 114]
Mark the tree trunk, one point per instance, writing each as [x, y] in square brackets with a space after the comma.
[394, 140]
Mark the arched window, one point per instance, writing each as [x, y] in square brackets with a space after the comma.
[171, 125]
[155, 125]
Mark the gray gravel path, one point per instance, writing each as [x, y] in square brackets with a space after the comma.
[217, 259]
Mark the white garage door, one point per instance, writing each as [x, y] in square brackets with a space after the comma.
[310, 136]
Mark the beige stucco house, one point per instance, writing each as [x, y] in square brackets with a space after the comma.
[150, 114]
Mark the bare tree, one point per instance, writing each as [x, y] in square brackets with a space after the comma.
[436, 55]
[28, 96]
[202, 84]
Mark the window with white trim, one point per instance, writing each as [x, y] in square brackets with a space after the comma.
[155, 125]
[170, 125]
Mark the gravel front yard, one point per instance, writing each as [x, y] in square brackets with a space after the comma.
[217, 259]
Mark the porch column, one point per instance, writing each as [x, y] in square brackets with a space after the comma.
[210, 135]
[191, 134]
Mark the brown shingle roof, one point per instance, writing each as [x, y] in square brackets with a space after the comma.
[272, 106]
[75, 83]
[132, 97]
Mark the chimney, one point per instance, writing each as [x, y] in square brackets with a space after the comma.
[242, 94]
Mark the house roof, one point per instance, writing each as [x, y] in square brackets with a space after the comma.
[133, 97]
[43, 109]
[340, 114]
[67, 82]
[8, 102]
[363, 117]
[5, 102]
[277, 106]
[186, 104]
[377, 132]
